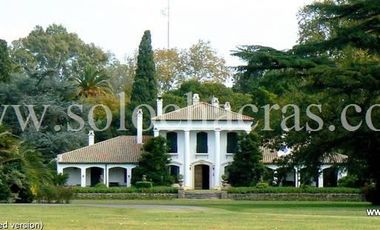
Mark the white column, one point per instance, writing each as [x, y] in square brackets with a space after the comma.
[320, 178]
[156, 132]
[59, 169]
[129, 176]
[83, 177]
[105, 176]
[186, 160]
[139, 126]
[217, 160]
[297, 177]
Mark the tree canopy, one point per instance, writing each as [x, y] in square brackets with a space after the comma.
[335, 70]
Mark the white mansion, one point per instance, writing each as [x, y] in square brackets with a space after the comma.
[202, 140]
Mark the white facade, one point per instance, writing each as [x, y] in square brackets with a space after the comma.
[200, 170]
[187, 157]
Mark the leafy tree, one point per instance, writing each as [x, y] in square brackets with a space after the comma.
[247, 167]
[154, 163]
[121, 77]
[335, 70]
[5, 62]
[200, 62]
[144, 89]
[170, 67]
[54, 52]
[203, 64]
[22, 90]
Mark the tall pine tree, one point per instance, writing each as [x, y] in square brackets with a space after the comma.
[5, 62]
[144, 89]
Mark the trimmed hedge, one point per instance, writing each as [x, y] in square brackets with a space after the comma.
[313, 190]
[158, 189]
[126, 196]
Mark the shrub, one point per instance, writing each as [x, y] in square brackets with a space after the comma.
[60, 179]
[351, 181]
[25, 195]
[158, 189]
[369, 191]
[64, 194]
[57, 194]
[47, 193]
[100, 185]
[144, 184]
[5, 193]
[262, 185]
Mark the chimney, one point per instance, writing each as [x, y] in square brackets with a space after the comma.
[159, 105]
[91, 137]
[195, 98]
[215, 102]
[227, 106]
[139, 126]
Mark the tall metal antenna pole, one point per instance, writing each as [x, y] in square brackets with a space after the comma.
[168, 24]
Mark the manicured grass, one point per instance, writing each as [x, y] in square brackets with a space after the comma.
[194, 214]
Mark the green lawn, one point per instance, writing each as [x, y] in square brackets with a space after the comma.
[194, 214]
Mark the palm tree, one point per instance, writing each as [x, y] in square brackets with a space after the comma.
[21, 167]
[92, 83]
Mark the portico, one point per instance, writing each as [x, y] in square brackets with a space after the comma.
[201, 137]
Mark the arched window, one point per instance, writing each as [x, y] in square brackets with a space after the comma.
[232, 142]
[202, 142]
[171, 137]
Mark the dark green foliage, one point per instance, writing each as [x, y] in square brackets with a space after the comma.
[144, 89]
[143, 184]
[247, 168]
[336, 67]
[60, 179]
[21, 168]
[21, 90]
[5, 62]
[55, 52]
[351, 181]
[5, 193]
[54, 194]
[154, 163]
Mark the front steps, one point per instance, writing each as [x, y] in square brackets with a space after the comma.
[201, 194]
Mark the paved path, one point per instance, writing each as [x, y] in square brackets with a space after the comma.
[149, 206]
[134, 206]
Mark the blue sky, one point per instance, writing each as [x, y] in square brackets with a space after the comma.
[117, 25]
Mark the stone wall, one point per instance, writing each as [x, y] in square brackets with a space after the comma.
[297, 196]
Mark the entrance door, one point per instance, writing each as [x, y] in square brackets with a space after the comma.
[95, 176]
[201, 177]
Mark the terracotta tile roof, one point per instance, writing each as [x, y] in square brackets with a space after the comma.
[269, 156]
[121, 149]
[202, 111]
